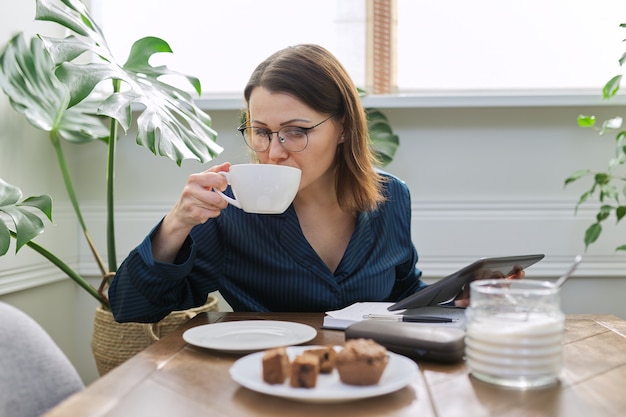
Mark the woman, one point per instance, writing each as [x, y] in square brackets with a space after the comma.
[345, 238]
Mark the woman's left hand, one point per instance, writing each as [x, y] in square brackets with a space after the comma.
[463, 299]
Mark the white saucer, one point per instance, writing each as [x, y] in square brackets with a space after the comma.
[248, 335]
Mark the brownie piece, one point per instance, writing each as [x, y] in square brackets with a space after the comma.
[276, 365]
[326, 355]
[304, 371]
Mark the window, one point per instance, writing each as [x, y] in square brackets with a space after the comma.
[221, 42]
[454, 45]
[512, 44]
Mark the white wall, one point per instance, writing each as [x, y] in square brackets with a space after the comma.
[489, 182]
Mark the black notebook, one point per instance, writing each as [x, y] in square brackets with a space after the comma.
[449, 287]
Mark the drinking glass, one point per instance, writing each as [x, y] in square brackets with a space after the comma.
[514, 332]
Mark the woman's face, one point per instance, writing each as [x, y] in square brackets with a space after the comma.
[272, 111]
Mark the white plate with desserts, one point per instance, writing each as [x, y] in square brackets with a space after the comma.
[248, 335]
[248, 372]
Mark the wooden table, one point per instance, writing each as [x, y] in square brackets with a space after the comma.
[173, 379]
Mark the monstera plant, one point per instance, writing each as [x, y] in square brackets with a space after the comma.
[77, 91]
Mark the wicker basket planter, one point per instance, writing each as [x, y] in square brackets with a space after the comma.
[113, 343]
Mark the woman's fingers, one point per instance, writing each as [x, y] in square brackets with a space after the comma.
[516, 273]
[463, 299]
[198, 202]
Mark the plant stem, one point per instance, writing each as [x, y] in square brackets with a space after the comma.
[68, 271]
[111, 249]
[69, 186]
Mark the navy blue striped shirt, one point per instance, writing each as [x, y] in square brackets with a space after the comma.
[264, 263]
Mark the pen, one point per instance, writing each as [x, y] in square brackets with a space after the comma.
[409, 319]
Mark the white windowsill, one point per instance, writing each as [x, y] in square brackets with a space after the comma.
[454, 99]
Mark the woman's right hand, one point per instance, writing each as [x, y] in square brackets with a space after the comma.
[197, 204]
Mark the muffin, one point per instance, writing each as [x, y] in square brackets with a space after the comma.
[304, 371]
[326, 356]
[276, 366]
[361, 362]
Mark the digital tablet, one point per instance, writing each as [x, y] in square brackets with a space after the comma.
[449, 287]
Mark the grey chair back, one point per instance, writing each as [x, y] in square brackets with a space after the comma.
[35, 374]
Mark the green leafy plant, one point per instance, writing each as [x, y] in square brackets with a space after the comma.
[608, 186]
[384, 142]
[48, 82]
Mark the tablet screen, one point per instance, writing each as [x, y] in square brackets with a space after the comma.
[449, 287]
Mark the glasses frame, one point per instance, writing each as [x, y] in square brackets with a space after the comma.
[270, 135]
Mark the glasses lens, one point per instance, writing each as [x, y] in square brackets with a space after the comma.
[294, 139]
[256, 138]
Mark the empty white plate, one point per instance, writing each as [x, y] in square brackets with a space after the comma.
[248, 335]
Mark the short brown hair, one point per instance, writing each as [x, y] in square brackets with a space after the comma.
[316, 77]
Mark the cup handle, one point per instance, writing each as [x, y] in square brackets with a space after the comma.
[224, 196]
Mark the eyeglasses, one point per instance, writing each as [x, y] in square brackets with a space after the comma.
[293, 138]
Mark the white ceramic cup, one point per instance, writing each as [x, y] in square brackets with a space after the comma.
[262, 188]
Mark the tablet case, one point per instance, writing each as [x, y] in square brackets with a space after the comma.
[416, 341]
[449, 287]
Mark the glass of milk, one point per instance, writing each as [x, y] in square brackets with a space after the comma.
[514, 332]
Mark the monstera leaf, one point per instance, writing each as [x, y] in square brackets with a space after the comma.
[384, 142]
[27, 224]
[27, 77]
[170, 124]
